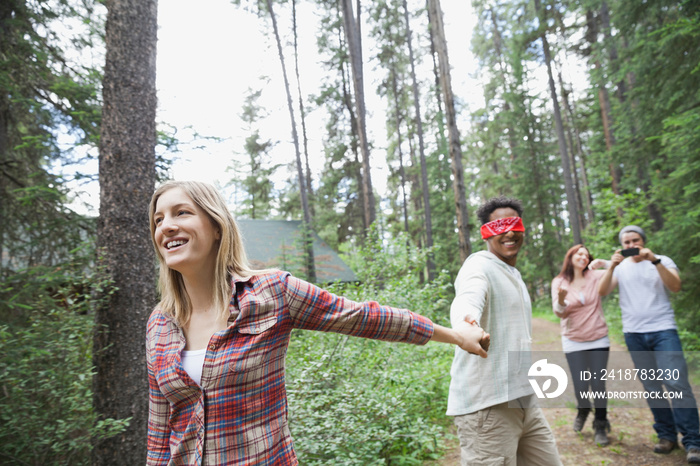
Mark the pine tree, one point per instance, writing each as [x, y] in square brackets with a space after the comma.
[127, 179]
[42, 89]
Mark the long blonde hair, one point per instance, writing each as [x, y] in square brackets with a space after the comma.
[230, 258]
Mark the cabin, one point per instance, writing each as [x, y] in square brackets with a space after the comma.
[278, 244]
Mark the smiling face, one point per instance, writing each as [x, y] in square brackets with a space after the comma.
[507, 245]
[186, 237]
[580, 259]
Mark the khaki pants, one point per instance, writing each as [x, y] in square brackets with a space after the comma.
[507, 436]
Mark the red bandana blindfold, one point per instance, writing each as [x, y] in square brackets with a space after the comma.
[502, 225]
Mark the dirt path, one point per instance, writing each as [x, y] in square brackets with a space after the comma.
[632, 436]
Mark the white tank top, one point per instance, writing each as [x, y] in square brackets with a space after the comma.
[193, 362]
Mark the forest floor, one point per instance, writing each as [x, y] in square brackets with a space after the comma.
[632, 437]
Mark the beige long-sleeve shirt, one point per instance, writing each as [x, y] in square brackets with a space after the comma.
[494, 293]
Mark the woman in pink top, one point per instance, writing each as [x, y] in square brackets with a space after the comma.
[576, 301]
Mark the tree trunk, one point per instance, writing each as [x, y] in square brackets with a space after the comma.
[612, 49]
[440, 137]
[421, 149]
[438, 29]
[347, 101]
[604, 96]
[399, 142]
[4, 185]
[573, 149]
[127, 179]
[352, 32]
[570, 193]
[308, 239]
[302, 112]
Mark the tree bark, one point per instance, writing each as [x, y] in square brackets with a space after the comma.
[438, 29]
[127, 179]
[347, 102]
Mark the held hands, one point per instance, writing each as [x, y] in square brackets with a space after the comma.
[472, 338]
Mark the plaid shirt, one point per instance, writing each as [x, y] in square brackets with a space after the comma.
[239, 414]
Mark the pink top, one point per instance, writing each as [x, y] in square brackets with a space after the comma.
[582, 318]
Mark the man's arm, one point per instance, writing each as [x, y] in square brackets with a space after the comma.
[670, 277]
[471, 290]
[608, 282]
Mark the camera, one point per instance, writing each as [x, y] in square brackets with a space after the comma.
[630, 252]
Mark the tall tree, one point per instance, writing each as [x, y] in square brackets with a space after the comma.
[353, 34]
[339, 198]
[127, 178]
[308, 241]
[438, 30]
[43, 88]
[583, 188]
[302, 110]
[597, 20]
[571, 197]
[421, 145]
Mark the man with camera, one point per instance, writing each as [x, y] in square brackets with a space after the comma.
[651, 335]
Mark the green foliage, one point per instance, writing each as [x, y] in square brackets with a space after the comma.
[50, 106]
[678, 193]
[355, 401]
[46, 370]
[542, 309]
[254, 176]
[294, 255]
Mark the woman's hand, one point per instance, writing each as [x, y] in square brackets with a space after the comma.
[562, 292]
[597, 264]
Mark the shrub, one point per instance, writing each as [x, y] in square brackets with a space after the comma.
[46, 369]
[355, 401]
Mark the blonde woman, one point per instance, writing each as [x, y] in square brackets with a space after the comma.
[216, 342]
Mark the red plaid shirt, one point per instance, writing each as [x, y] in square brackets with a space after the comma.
[239, 414]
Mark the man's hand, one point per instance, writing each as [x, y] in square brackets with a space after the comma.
[646, 254]
[616, 259]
